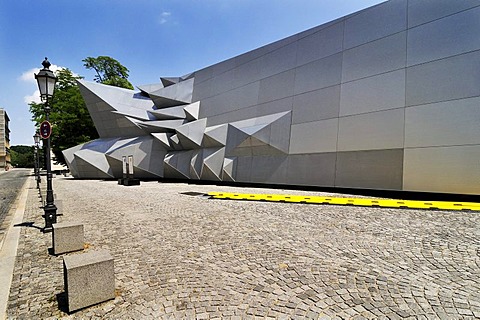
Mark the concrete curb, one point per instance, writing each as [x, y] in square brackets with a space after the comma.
[8, 249]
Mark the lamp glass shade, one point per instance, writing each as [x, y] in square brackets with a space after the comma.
[36, 138]
[46, 83]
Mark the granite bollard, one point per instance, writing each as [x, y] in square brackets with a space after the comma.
[88, 279]
[67, 237]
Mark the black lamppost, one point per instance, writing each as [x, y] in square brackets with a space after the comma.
[36, 138]
[46, 84]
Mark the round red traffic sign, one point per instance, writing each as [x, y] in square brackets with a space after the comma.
[45, 129]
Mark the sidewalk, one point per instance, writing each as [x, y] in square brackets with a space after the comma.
[179, 256]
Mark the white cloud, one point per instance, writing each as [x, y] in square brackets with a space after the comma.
[34, 97]
[29, 76]
[164, 17]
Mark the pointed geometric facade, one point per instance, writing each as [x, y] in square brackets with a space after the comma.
[385, 98]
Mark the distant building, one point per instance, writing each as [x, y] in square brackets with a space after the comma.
[4, 141]
[387, 98]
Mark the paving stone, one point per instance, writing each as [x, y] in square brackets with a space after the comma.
[184, 257]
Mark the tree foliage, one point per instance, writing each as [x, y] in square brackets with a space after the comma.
[71, 122]
[109, 71]
[69, 116]
[22, 156]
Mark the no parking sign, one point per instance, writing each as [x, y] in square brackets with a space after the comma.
[45, 129]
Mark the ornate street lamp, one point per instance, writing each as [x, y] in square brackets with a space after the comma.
[46, 84]
[36, 138]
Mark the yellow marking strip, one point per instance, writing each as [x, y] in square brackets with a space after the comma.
[384, 203]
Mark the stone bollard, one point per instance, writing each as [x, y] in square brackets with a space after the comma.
[88, 279]
[67, 237]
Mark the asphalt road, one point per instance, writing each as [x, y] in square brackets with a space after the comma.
[11, 183]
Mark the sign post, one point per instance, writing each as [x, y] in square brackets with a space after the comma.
[127, 172]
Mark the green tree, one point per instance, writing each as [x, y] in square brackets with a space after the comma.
[22, 156]
[109, 71]
[71, 122]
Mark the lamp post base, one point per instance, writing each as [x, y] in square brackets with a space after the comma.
[50, 217]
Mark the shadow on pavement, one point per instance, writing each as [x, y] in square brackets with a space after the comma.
[62, 302]
[28, 224]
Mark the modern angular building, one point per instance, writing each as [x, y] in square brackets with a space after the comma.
[4, 141]
[386, 98]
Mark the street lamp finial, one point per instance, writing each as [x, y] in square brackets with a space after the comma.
[46, 64]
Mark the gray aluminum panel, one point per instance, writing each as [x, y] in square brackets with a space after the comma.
[232, 116]
[244, 169]
[223, 82]
[381, 169]
[382, 92]
[223, 66]
[372, 131]
[447, 79]
[312, 169]
[321, 44]
[269, 169]
[377, 22]
[316, 105]
[376, 57]
[312, 137]
[203, 74]
[280, 133]
[273, 107]
[232, 100]
[247, 73]
[443, 124]
[280, 60]
[262, 51]
[444, 37]
[251, 112]
[252, 55]
[443, 169]
[319, 74]
[276, 87]
[422, 11]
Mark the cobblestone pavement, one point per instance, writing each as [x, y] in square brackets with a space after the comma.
[187, 257]
[11, 183]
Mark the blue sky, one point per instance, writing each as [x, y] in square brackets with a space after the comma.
[152, 38]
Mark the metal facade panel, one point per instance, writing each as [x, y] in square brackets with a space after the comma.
[247, 73]
[202, 90]
[380, 169]
[312, 137]
[316, 105]
[279, 60]
[376, 22]
[382, 92]
[203, 74]
[276, 106]
[223, 82]
[443, 169]
[423, 11]
[443, 124]
[315, 169]
[236, 99]
[319, 74]
[321, 44]
[276, 87]
[384, 55]
[444, 37]
[243, 172]
[372, 131]
[269, 169]
[447, 79]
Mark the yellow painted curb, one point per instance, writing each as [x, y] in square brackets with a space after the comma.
[384, 203]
